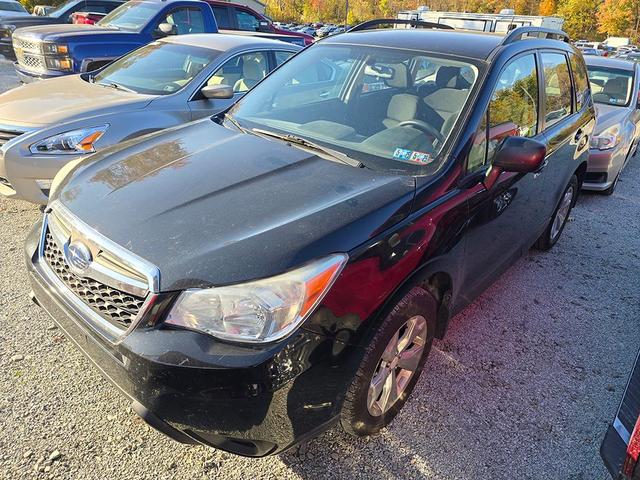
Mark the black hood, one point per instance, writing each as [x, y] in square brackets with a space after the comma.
[209, 205]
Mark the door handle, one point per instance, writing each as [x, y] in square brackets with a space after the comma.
[579, 135]
[323, 94]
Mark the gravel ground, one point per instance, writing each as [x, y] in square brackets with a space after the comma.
[522, 387]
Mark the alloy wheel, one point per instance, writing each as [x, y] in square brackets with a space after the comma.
[563, 212]
[397, 365]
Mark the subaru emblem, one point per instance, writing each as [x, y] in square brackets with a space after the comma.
[78, 257]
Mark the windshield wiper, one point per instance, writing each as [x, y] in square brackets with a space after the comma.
[116, 86]
[308, 144]
[235, 123]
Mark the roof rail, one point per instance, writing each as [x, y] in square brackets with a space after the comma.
[371, 24]
[540, 32]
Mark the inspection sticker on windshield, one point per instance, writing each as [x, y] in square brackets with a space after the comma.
[412, 156]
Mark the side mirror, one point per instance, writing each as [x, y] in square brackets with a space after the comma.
[517, 154]
[217, 91]
[166, 28]
[264, 26]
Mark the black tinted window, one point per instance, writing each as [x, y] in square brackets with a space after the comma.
[222, 17]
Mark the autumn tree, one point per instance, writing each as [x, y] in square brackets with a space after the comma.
[580, 18]
[547, 7]
[619, 18]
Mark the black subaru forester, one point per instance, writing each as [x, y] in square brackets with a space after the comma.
[249, 280]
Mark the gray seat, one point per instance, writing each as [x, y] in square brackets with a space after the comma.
[402, 106]
[615, 88]
[252, 73]
[445, 102]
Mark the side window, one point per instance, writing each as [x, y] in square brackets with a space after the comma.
[242, 72]
[513, 111]
[557, 87]
[186, 20]
[282, 57]
[581, 80]
[222, 17]
[247, 21]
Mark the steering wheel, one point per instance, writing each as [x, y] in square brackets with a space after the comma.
[423, 126]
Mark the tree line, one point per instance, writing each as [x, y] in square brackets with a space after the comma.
[588, 19]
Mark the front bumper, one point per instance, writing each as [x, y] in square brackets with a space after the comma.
[28, 76]
[603, 167]
[21, 174]
[248, 400]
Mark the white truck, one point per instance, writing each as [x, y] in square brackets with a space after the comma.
[486, 22]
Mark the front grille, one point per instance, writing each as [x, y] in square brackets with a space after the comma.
[30, 62]
[26, 45]
[117, 307]
[6, 135]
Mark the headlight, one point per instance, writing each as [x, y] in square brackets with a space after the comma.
[75, 141]
[6, 30]
[607, 139]
[54, 49]
[260, 311]
[63, 63]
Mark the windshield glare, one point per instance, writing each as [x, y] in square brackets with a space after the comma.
[61, 9]
[129, 16]
[12, 7]
[388, 108]
[610, 86]
[160, 68]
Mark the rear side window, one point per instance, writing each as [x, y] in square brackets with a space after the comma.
[557, 87]
[581, 80]
[247, 21]
[282, 57]
[222, 17]
[513, 111]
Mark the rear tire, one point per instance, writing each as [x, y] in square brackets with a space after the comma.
[554, 230]
[387, 375]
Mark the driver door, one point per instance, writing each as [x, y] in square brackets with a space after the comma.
[505, 218]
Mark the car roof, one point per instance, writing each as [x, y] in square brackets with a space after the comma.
[223, 42]
[464, 43]
[609, 62]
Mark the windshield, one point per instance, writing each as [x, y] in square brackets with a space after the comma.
[129, 16]
[12, 7]
[62, 8]
[388, 108]
[160, 68]
[610, 86]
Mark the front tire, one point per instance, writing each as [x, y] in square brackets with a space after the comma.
[390, 368]
[552, 233]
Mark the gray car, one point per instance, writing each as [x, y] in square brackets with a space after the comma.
[46, 125]
[614, 85]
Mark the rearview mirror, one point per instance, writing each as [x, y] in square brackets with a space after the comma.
[217, 91]
[166, 28]
[517, 154]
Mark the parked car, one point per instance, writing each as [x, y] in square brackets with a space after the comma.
[591, 52]
[12, 8]
[614, 85]
[59, 15]
[620, 448]
[43, 10]
[251, 279]
[56, 50]
[168, 82]
[235, 16]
